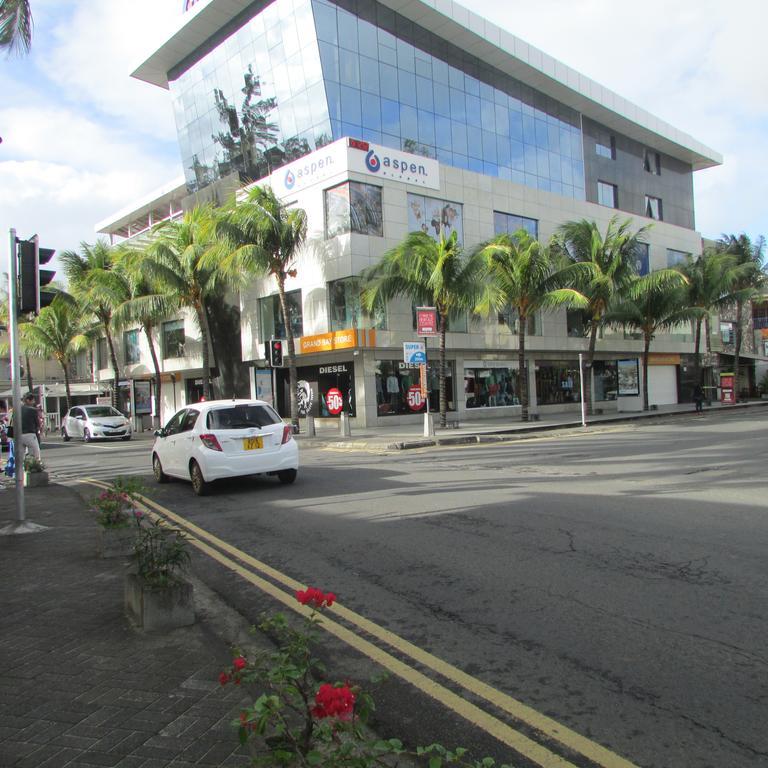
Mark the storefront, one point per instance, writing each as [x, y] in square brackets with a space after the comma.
[324, 391]
[398, 387]
[557, 382]
[490, 384]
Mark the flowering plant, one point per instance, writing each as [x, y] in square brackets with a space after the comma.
[33, 464]
[294, 721]
[161, 554]
[116, 507]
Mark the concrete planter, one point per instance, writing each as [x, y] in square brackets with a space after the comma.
[158, 609]
[116, 542]
[35, 479]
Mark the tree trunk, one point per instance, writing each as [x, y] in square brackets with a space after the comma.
[113, 360]
[441, 372]
[588, 407]
[202, 321]
[646, 356]
[697, 373]
[737, 349]
[30, 383]
[292, 375]
[156, 366]
[523, 370]
[65, 368]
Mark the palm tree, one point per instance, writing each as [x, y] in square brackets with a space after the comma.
[612, 256]
[86, 273]
[652, 304]
[58, 332]
[263, 236]
[710, 279]
[15, 26]
[747, 284]
[522, 275]
[175, 263]
[429, 272]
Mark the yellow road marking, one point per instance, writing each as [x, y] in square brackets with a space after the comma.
[541, 756]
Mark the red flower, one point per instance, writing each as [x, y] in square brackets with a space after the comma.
[316, 597]
[239, 663]
[224, 678]
[332, 701]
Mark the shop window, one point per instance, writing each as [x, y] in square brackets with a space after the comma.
[131, 347]
[605, 377]
[271, 316]
[653, 208]
[508, 316]
[509, 223]
[491, 387]
[173, 339]
[397, 384]
[353, 207]
[676, 258]
[102, 359]
[345, 309]
[427, 214]
[557, 382]
[324, 391]
[652, 162]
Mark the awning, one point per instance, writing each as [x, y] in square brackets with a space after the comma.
[59, 390]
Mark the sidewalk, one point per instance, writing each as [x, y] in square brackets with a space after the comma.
[79, 686]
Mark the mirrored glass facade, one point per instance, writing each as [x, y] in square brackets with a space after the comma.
[304, 72]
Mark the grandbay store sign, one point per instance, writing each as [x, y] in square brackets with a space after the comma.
[345, 155]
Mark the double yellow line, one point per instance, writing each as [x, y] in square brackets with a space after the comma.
[283, 590]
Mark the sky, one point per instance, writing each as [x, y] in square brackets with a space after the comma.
[82, 139]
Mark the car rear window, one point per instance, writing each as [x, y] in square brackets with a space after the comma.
[242, 416]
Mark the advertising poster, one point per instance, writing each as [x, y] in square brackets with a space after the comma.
[433, 216]
[142, 397]
[629, 377]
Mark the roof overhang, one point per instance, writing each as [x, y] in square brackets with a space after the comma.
[480, 37]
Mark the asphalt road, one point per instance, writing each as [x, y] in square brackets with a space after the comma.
[614, 581]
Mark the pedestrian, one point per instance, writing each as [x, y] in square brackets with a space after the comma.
[30, 426]
[698, 398]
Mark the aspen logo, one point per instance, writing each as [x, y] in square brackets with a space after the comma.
[290, 179]
[372, 162]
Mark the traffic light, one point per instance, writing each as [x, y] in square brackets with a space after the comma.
[275, 353]
[32, 280]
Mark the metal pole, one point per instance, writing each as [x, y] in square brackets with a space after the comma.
[581, 388]
[426, 372]
[18, 447]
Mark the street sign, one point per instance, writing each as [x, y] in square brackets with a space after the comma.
[334, 401]
[414, 352]
[423, 380]
[426, 321]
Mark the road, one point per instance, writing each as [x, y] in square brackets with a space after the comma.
[613, 581]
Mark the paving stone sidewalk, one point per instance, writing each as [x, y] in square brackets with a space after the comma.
[79, 686]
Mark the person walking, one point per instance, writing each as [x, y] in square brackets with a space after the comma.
[698, 398]
[30, 427]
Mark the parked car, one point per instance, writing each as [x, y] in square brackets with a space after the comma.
[95, 422]
[219, 439]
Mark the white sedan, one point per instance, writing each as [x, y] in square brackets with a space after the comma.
[95, 422]
[218, 439]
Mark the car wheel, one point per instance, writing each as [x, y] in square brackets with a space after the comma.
[199, 486]
[287, 476]
[65, 435]
[157, 470]
[87, 436]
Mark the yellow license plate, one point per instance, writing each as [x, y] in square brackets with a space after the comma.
[251, 443]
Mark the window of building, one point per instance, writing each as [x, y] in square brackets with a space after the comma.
[345, 310]
[576, 323]
[102, 358]
[397, 384]
[427, 214]
[271, 316]
[606, 147]
[173, 339]
[642, 259]
[353, 207]
[508, 316]
[491, 387]
[653, 208]
[676, 258]
[606, 379]
[131, 346]
[607, 194]
[727, 332]
[509, 223]
[557, 381]
[760, 316]
[652, 162]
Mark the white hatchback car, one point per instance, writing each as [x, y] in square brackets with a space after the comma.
[95, 422]
[224, 438]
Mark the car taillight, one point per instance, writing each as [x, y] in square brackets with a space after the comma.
[210, 441]
[287, 434]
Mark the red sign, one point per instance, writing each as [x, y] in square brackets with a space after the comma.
[334, 401]
[414, 398]
[727, 392]
[426, 321]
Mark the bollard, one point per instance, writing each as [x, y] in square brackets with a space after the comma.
[429, 425]
[344, 429]
[310, 429]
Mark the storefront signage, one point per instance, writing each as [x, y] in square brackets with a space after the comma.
[414, 398]
[328, 342]
[727, 391]
[376, 160]
[334, 368]
[334, 401]
[414, 352]
[657, 358]
[311, 169]
[426, 321]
